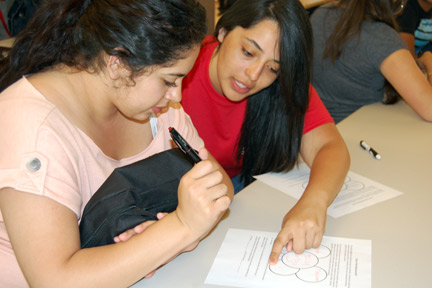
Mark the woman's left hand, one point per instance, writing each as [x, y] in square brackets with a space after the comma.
[324, 151]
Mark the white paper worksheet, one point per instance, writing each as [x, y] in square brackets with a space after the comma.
[242, 261]
[357, 192]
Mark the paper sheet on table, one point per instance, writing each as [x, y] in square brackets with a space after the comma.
[242, 261]
[357, 192]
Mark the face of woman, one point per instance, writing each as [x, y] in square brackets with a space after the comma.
[247, 60]
[155, 89]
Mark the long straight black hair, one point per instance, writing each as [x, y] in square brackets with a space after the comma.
[273, 125]
[142, 33]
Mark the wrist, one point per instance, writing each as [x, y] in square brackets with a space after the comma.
[315, 200]
[182, 231]
[320, 194]
[187, 231]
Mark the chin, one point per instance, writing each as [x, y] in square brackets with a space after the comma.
[235, 97]
[141, 117]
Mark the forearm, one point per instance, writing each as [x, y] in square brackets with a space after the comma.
[122, 264]
[403, 73]
[328, 172]
[324, 150]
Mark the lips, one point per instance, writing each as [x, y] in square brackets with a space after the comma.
[239, 87]
[157, 110]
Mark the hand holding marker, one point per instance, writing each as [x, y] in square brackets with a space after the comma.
[370, 150]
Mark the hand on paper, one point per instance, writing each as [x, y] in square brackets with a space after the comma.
[203, 196]
[302, 228]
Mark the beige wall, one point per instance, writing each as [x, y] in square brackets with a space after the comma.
[209, 5]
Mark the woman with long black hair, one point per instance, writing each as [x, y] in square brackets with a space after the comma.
[250, 98]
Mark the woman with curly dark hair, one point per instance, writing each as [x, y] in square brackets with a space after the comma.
[86, 88]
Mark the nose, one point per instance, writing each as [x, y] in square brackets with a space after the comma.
[174, 93]
[254, 71]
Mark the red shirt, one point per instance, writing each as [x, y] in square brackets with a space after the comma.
[219, 120]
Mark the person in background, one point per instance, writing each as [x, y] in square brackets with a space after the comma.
[250, 98]
[356, 49]
[415, 24]
[78, 89]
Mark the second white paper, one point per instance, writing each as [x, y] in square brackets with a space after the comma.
[357, 192]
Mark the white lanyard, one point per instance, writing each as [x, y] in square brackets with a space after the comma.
[153, 125]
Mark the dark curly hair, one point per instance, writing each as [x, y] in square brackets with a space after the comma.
[76, 32]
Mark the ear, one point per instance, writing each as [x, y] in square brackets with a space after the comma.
[221, 34]
[115, 67]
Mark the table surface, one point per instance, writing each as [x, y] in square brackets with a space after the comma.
[400, 228]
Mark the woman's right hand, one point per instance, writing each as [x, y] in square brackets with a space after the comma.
[202, 196]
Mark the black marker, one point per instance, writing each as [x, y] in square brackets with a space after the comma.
[370, 150]
[184, 146]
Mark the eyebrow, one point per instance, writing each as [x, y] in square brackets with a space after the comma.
[253, 42]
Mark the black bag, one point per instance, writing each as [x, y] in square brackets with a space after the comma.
[131, 195]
